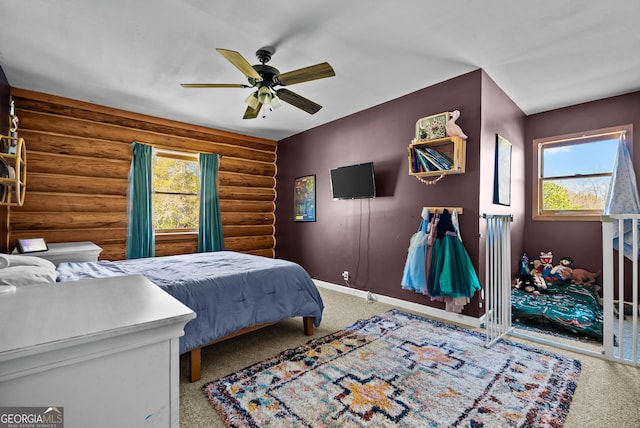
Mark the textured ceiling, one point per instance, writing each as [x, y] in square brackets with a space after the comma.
[133, 54]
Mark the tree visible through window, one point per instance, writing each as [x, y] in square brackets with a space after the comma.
[176, 183]
[573, 173]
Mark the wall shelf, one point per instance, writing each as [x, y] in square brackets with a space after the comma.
[13, 170]
[442, 156]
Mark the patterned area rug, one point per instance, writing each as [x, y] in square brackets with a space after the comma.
[398, 369]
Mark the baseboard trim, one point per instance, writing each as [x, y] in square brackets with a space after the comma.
[416, 307]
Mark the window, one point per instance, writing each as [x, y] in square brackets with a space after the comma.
[176, 184]
[572, 173]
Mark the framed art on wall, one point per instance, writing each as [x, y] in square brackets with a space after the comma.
[502, 177]
[304, 198]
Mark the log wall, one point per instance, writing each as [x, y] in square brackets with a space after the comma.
[78, 159]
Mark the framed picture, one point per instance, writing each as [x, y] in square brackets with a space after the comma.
[502, 178]
[432, 127]
[304, 198]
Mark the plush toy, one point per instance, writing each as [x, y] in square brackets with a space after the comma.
[527, 283]
[583, 276]
[530, 278]
[562, 271]
[543, 262]
[452, 128]
[539, 282]
[546, 259]
[541, 269]
[547, 272]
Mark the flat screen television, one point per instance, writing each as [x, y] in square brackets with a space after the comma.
[353, 181]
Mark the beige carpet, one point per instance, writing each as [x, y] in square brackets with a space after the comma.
[607, 394]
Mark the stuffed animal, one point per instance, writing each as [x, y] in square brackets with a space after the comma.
[562, 271]
[541, 269]
[527, 283]
[546, 259]
[452, 128]
[536, 274]
[543, 262]
[583, 276]
[530, 278]
[545, 271]
[539, 282]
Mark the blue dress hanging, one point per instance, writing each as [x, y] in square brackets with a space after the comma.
[414, 276]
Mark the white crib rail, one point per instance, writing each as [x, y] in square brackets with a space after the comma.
[497, 277]
[627, 347]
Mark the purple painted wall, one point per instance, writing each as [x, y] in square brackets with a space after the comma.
[582, 241]
[369, 238]
[500, 115]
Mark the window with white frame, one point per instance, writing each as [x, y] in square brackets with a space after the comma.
[572, 173]
[176, 196]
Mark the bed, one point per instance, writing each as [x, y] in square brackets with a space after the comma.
[563, 307]
[231, 293]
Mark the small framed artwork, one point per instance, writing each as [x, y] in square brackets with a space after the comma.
[432, 127]
[502, 177]
[304, 198]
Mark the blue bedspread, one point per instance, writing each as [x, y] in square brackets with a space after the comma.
[227, 290]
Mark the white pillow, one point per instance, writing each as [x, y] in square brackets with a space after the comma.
[9, 260]
[27, 275]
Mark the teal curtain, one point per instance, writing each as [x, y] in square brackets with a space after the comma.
[210, 236]
[140, 236]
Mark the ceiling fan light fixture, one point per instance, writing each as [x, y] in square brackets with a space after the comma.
[265, 95]
[275, 102]
[252, 100]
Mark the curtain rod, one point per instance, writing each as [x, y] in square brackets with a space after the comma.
[181, 151]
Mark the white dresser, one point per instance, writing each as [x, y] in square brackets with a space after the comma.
[106, 350]
[69, 252]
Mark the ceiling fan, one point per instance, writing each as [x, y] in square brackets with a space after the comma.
[266, 78]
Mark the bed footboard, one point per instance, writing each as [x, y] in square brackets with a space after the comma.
[195, 355]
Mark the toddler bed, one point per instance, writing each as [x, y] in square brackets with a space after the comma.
[563, 307]
[559, 298]
[231, 293]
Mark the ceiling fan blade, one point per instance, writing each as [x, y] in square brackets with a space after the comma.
[252, 113]
[313, 72]
[298, 101]
[241, 64]
[214, 85]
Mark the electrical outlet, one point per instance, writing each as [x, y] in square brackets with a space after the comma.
[345, 275]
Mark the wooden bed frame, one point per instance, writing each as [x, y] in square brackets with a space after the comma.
[195, 355]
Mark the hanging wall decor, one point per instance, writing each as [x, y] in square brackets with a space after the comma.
[304, 198]
[432, 127]
[502, 174]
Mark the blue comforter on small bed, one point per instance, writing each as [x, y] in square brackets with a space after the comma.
[227, 290]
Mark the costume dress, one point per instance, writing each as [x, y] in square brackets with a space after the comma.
[414, 276]
[452, 277]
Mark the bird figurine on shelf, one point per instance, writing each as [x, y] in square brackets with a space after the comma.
[454, 130]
